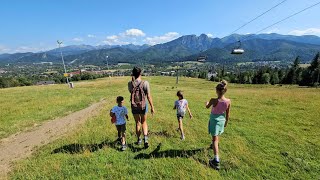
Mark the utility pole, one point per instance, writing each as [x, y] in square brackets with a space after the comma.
[107, 62]
[177, 81]
[318, 83]
[64, 66]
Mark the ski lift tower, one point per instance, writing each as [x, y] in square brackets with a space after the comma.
[64, 66]
[107, 62]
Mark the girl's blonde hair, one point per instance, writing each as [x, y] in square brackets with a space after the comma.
[222, 87]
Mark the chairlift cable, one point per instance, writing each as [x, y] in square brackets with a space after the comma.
[238, 50]
[284, 19]
[245, 24]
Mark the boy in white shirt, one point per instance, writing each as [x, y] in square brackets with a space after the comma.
[121, 114]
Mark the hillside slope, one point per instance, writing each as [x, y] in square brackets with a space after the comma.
[265, 138]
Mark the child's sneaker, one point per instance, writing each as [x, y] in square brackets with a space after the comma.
[124, 147]
[119, 139]
[146, 142]
[214, 164]
[139, 142]
[183, 138]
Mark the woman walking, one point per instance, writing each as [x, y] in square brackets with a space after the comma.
[140, 92]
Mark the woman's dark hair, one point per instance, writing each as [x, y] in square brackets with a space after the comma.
[136, 72]
[222, 87]
[119, 99]
[180, 94]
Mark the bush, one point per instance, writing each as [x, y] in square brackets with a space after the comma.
[265, 79]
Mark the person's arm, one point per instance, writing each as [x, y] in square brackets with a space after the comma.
[175, 106]
[147, 86]
[227, 115]
[189, 111]
[130, 86]
[150, 102]
[111, 113]
[210, 103]
[126, 112]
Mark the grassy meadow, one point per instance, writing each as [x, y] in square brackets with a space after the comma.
[273, 133]
[24, 107]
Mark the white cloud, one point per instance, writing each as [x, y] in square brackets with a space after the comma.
[24, 48]
[27, 49]
[127, 37]
[309, 31]
[134, 33]
[91, 36]
[114, 40]
[274, 30]
[76, 39]
[113, 37]
[161, 39]
[210, 35]
[4, 49]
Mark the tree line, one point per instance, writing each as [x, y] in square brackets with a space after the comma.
[303, 76]
[6, 82]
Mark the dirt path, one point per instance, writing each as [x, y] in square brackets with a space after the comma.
[22, 145]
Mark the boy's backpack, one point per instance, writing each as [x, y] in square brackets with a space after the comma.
[138, 100]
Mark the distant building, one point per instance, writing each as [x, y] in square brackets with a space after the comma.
[45, 82]
[44, 63]
[75, 73]
[165, 73]
[212, 74]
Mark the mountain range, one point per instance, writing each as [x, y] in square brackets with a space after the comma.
[258, 47]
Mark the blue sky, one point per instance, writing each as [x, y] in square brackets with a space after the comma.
[35, 25]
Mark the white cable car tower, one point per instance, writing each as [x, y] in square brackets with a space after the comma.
[64, 66]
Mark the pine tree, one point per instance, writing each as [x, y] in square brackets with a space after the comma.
[315, 69]
[265, 79]
[310, 75]
[274, 78]
[294, 74]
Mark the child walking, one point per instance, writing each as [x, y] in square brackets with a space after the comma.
[181, 105]
[121, 114]
[219, 118]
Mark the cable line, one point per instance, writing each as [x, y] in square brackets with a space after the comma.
[245, 24]
[284, 19]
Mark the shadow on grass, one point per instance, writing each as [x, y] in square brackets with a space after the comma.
[135, 149]
[80, 148]
[160, 133]
[172, 153]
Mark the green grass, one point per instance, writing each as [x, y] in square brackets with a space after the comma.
[24, 107]
[273, 134]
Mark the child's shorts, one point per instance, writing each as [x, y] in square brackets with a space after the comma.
[216, 124]
[121, 128]
[179, 117]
